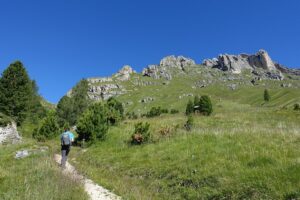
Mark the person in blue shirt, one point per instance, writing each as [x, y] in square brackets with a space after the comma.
[66, 139]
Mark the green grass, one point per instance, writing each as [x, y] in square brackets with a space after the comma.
[240, 152]
[247, 149]
[217, 87]
[35, 177]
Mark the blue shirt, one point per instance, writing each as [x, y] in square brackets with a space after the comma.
[71, 135]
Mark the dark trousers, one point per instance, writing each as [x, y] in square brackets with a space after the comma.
[65, 149]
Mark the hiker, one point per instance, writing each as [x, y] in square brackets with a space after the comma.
[66, 141]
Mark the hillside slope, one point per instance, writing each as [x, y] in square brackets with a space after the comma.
[177, 79]
[247, 149]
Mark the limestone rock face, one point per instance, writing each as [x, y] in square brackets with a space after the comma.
[105, 91]
[156, 72]
[261, 60]
[179, 62]
[210, 62]
[237, 63]
[9, 134]
[233, 63]
[124, 73]
[163, 69]
[99, 80]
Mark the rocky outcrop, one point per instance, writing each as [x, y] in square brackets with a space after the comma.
[9, 134]
[210, 62]
[105, 91]
[286, 70]
[157, 72]
[163, 69]
[124, 73]
[237, 63]
[100, 80]
[178, 62]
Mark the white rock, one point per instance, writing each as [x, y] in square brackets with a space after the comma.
[9, 134]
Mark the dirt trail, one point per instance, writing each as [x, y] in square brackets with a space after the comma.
[95, 191]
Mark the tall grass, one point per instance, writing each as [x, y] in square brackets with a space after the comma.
[240, 152]
[36, 177]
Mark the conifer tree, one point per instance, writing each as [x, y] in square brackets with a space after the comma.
[48, 128]
[116, 110]
[64, 111]
[93, 124]
[70, 108]
[18, 94]
[205, 105]
[267, 96]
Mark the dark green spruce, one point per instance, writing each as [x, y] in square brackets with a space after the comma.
[18, 93]
[70, 108]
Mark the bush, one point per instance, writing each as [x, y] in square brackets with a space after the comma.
[267, 96]
[174, 111]
[48, 128]
[205, 105]
[93, 124]
[154, 111]
[131, 115]
[189, 123]
[116, 111]
[164, 110]
[296, 106]
[141, 133]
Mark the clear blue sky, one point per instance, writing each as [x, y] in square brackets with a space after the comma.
[62, 41]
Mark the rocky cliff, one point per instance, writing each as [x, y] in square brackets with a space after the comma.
[163, 69]
[260, 64]
[261, 61]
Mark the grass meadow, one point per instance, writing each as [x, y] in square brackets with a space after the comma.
[242, 151]
[247, 149]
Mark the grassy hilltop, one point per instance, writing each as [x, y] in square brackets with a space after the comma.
[200, 80]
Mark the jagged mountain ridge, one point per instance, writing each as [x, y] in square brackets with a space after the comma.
[257, 66]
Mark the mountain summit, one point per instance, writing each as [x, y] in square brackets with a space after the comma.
[248, 69]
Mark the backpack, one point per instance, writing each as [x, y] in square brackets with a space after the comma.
[65, 139]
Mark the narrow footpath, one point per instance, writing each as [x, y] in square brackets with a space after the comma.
[95, 191]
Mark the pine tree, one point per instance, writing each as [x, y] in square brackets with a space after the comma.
[189, 108]
[48, 128]
[205, 105]
[80, 97]
[18, 96]
[93, 124]
[65, 112]
[267, 96]
[116, 110]
[70, 108]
